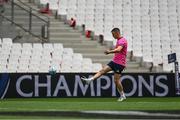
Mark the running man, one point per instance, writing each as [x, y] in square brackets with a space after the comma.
[117, 64]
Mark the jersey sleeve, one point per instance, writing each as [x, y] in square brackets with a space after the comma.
[121, 43]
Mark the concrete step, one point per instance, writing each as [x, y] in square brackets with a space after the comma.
[26, 23]
[92, 43]
[65, 34]
[34, 8]
[133, 65]
[34, 25]
[21, 9]
[84, 51]
[55, 33]
[102, 61]
[26, 17]
[65, 40]
[98, 56]
[79, 45]
[33, 5]
[80, 39]
[8, 7]
[57, 21]
[61, 29]
[16, 13]
[28, 40]
[136, 70]
[58, 24]
[37, 24]
[74, 46]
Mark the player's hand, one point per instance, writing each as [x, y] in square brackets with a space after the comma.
[107, 52]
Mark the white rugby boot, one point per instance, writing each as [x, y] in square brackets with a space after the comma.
[86, 80]
[122, 98]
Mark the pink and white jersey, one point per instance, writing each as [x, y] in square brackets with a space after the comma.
[120, 58]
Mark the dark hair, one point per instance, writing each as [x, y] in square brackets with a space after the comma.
[115, 30]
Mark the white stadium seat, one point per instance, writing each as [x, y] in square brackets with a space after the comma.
[58, 46]
[7, 41]
[62, 7]
[96, 67]
[44, 1]
[150, 26]
[77, 57]
[37, 57]
[37, 46]
[53, 4]
[3, 68]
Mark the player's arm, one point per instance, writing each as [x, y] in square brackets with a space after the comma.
[116, 50]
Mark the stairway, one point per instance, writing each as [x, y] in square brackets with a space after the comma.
[62, 33]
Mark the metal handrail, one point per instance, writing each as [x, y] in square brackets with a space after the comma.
[30, 11]
[20, 26]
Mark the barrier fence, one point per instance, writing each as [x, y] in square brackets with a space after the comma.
[26, 85]
[31, 22]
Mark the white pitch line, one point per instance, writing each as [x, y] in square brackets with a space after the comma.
[136, 113]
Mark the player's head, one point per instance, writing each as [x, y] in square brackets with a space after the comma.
[116, 33]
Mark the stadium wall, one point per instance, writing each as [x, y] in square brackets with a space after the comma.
[37, 85]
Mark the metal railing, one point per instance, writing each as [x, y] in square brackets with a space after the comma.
[32, 23]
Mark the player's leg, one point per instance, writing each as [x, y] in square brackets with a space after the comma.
[119, 86]
[106, 69]
[98, 74]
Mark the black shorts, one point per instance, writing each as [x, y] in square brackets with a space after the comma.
[117, 68]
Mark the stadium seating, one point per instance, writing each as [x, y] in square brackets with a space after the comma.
[63, 9]
[44, 2]
[53, 4]
[98, 17]
[150, 26]
[71, 9]
[38, 57]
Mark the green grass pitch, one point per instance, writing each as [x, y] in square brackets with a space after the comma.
[88, 104]
[81, 104]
